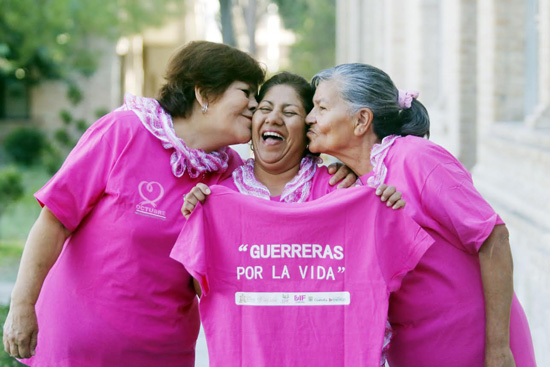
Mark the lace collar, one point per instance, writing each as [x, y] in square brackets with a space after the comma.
[159, 123]
[296, 191]
[377, 155]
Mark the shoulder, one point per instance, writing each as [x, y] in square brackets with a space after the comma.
[420, 153]
[116, 125]
[421, 147]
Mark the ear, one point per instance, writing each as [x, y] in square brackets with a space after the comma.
[200, 98]
[363, 122]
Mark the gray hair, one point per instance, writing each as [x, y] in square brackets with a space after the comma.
[365, 86]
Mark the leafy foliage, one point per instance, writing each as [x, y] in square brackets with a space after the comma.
[314, 23]
[51, 39]
[11, 187]
[25, 145]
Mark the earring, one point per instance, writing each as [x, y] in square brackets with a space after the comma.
[204, 108]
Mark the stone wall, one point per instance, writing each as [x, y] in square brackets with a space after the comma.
[483, 71]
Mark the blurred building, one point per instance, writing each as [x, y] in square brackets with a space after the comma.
[483, 71]
[136, 64]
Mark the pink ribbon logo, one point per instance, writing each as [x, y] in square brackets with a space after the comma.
[151, 188]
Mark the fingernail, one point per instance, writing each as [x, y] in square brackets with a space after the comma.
[208, 191]
[388, 203]
[378, 191]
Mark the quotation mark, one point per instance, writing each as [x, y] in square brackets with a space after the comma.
[341, 269]
[243, 248]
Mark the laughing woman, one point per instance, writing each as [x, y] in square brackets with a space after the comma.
[283, 169]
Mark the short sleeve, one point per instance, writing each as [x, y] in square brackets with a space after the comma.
[400, 244]
[190, 247]
[78, 185]
[449, 196]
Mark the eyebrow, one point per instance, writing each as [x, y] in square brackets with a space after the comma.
[284, 105]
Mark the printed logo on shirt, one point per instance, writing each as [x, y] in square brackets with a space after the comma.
[151, 193]
[292, 299]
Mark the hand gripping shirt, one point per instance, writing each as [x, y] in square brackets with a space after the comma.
[438, 315]
[297, 285]
[115, 297]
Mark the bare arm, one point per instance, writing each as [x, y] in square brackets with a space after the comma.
[41, 251]
[495, 259]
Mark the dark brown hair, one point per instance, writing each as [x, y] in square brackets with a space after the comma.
[303, 88]
[212, 67]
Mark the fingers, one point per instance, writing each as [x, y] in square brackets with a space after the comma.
[204, 189]
[380, 190]
[341, 173]
[390, 196]
[187, 207]
[24, 348]
[399, 204]
[34, 341]
[190, 200]
[333, 167]
[13, 350]
[385, 191]
[349, 181]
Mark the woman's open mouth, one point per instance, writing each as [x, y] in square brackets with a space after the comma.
[272, 137]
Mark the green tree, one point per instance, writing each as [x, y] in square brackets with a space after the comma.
[51, 39]
[314, 23]
[11, 188]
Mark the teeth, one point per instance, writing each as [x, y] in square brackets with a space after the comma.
[272, 134]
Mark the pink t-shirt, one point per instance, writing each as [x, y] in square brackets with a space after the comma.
[438, 315]
[295, 284]
[115, 297]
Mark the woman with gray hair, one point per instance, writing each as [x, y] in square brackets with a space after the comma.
[457, 308]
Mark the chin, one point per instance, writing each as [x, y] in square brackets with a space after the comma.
[313, 149]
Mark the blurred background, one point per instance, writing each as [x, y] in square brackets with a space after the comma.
[482, 68]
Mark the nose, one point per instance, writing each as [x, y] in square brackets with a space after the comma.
[274, 117]
[252, 103]
[310, 118]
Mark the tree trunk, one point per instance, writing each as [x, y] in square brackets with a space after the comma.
[250, 16]
[226, 13]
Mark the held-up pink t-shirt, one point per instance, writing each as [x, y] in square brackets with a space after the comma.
[297, 284]
[438, 315]
[115, 297]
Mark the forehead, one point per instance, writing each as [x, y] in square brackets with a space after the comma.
[327, 90]
[283, 94]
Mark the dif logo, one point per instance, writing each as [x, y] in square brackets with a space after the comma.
[300, 298]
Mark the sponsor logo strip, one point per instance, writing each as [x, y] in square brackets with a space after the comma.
[292, 299]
